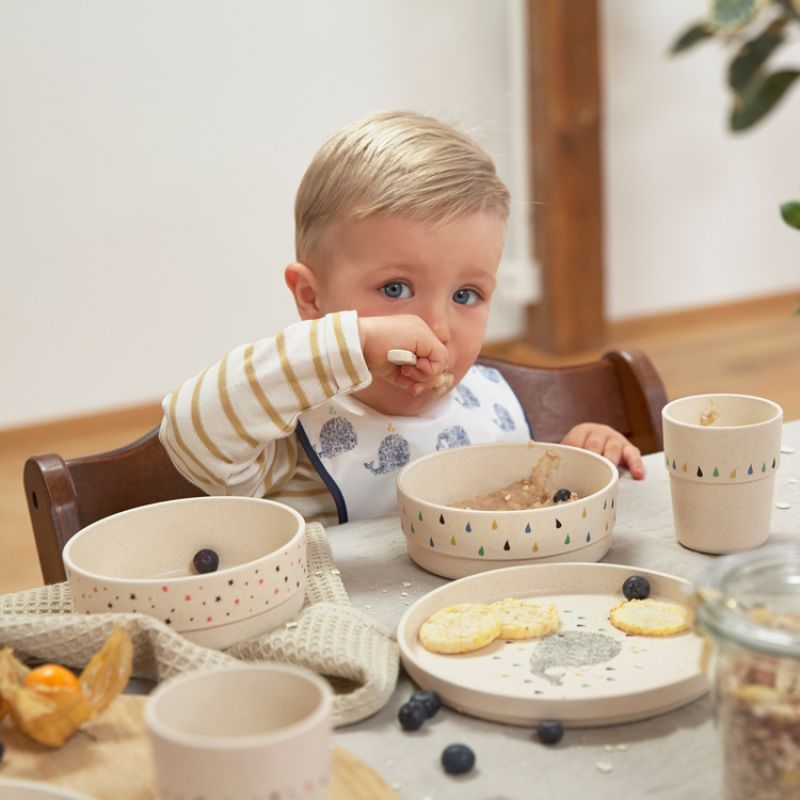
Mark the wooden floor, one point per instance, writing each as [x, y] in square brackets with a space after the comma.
[751, 348]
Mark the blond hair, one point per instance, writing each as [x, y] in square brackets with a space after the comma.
[399, 163]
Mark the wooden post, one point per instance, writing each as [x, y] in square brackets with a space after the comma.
[566, 183]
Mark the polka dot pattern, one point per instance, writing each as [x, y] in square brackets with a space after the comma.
[191, 602]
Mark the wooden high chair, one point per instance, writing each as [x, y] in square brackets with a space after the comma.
[622, 389]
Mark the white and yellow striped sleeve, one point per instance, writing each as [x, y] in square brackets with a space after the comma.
[229, 429]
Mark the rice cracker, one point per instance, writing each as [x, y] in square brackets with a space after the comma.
[649, 617]
[460, 628]
[525, 618]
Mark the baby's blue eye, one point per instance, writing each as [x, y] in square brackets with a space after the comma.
[397, 290]
[466, 297]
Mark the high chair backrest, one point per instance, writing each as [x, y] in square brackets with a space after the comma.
[622, 389]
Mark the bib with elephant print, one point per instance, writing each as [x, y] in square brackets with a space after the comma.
[358, 451]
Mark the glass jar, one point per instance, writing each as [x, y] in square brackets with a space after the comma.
[749, 606]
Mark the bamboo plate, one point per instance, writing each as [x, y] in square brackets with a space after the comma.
[587, 674]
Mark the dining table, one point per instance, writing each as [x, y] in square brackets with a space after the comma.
[673, 755]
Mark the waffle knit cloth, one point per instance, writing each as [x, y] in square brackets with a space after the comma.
[357, 654]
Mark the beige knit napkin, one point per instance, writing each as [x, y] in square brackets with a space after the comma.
[355, 652]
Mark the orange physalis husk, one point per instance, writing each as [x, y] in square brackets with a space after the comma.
[13, 667]
[108, 671]
[50, 715]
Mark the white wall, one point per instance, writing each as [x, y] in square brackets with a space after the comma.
[150, 155]
[691, 210]
[150, 151]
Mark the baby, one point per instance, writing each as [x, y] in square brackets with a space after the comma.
[400, 225]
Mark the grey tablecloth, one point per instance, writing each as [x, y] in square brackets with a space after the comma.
[672, 756]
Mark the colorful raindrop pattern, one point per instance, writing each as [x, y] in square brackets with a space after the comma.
[751, 469]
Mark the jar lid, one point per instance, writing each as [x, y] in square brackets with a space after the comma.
[752, 599]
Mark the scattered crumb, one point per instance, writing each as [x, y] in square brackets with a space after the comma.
[383, 590]
[792, 480]
[403, 594]
[709, 417]
[335, 572]
[783, 506]
[406, 583]
[367, 606]
[609, 748]
[604, 767]
[319, 573]
[292, 624]
[622, 747]
[443, 382]
[786, 449]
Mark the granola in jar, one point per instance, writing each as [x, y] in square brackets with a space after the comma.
[750, 609]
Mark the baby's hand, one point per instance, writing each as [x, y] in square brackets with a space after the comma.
[403, 332]
[607, 442]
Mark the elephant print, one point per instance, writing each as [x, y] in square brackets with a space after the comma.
[465, 397]
[490, 373]
[455, 436]
[504, 420]
[336, 436]
[393, 453]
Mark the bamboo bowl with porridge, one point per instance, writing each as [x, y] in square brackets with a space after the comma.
[449, 532]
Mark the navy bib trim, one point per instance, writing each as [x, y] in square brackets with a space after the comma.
[316, 462]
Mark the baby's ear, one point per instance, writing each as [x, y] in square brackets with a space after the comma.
[303, 285]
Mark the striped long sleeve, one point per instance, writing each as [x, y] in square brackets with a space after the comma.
[230, 429]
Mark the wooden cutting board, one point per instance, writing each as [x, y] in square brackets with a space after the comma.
[112, 760]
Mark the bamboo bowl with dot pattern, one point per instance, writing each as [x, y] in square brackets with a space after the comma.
[455, 542]
[140, 561]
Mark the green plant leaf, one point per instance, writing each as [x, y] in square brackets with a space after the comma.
[734, 14]
[691, 36]
[790, 212]
[750, 58]
[761, 98]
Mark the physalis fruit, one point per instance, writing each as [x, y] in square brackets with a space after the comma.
[49, 703]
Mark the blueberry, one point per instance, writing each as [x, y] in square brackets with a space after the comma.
[430, 700]
[636, 588]
[412, 715]
[562, 495]
[457, 759]
[205, 560]
[550, 731]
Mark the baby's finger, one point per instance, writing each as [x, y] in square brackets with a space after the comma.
[416, 374]
[575, 438]
[595, 442]
[404, 382]
[632, 458]
[613, 450]
[432, 355]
